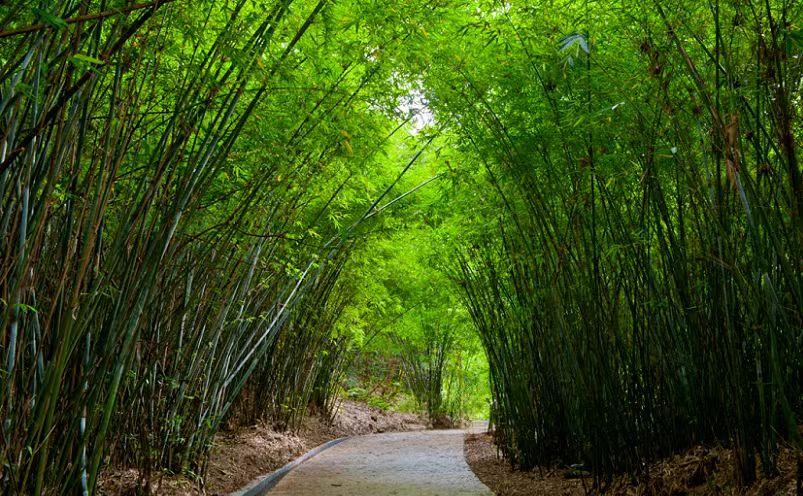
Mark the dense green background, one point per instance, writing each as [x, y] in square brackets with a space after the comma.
[582, 219]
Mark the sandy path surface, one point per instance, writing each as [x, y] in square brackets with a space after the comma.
[426, 463]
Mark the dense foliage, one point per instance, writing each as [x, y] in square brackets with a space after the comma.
[642, 289]
[174, 182]
[225, 212]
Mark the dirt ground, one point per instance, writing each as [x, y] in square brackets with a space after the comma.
[495, 473]
[240, 456]
[700, 472]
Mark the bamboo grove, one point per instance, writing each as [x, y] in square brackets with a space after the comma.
[642, 291]
[209, 210]
[152, 253]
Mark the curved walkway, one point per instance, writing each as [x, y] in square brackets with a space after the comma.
[422, 463]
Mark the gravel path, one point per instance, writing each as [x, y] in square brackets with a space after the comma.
[424, 463]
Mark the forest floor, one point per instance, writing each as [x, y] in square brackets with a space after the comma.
[243, 454]
[700, 471]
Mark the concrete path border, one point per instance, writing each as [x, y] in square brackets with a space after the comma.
[264, 483]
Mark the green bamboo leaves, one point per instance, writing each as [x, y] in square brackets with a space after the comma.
[629, 301]
[160, 286]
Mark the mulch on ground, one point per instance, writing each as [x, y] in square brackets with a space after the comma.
[497, 474]
[701, 471]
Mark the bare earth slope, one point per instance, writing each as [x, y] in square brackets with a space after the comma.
[240, 455]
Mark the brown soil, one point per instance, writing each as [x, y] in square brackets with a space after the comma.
[242, 455]
[494, 472]
[700, 471]
[357, 418]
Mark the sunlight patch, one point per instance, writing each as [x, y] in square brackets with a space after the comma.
[415, 106]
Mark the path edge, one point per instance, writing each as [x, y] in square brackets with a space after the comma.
[265, 483]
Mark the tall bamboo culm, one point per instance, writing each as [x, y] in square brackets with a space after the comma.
[141, 286]
[643, 291]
